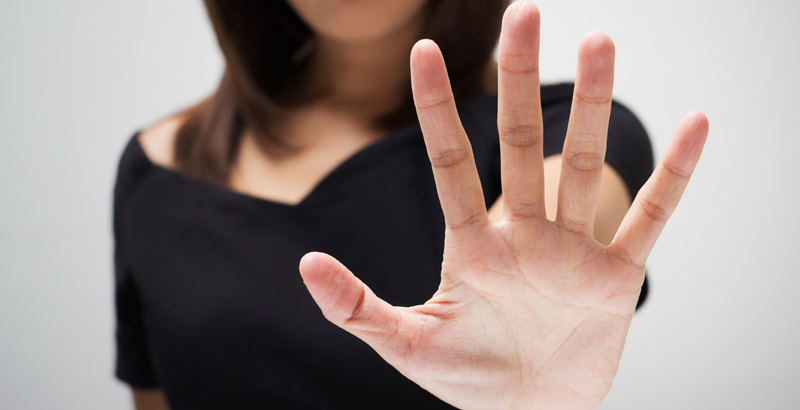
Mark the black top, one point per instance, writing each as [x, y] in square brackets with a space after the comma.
[211, 307]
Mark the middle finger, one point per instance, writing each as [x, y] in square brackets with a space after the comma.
[519, 118]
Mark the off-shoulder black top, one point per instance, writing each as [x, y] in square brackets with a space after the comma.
[210, 306]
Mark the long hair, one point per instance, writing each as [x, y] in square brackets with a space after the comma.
[263, 43]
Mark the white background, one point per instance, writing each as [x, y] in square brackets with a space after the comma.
[720, 329]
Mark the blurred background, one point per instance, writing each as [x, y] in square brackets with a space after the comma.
[720, 328]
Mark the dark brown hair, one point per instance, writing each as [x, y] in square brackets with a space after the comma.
[262, 41]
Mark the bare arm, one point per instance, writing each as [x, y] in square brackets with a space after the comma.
[149, 399]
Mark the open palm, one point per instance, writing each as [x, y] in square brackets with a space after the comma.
[530, 313]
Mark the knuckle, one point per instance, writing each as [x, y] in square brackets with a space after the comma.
[585, 160]
[675, 171]
[592, 99]
[357, 309]
[654, 210]
[626, 257]
[518, 63]
[521, 135]
[449, 157]
[573, 225]
[519, 210]
[470, 221]
[433, 102]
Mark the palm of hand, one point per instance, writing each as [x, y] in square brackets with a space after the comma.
[541, 314]
[530, 313]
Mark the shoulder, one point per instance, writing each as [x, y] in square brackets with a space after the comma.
[158, 140]
[146, 150]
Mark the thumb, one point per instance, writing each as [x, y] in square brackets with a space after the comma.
[350, 304]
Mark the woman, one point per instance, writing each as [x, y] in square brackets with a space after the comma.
[310, 144]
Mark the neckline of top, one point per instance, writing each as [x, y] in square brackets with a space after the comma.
[348, 163]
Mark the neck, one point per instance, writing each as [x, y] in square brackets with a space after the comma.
[366, 78]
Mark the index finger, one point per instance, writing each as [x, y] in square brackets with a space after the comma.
[449, 150]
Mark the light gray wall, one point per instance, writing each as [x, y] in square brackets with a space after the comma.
[719, 331]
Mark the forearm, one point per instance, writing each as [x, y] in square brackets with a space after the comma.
[149, 399]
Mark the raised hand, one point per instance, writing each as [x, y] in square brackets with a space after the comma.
[530, 313]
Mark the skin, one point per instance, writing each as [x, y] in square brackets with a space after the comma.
[530, 313]
[537, 294]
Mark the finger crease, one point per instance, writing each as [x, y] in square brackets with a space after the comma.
[523, 135]
[586, 160]
[472, 221]
[359, 304]
[592, 100]
[449, 157]
[522, 70]
[435, 103]
[674, 170]
[654, 210]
